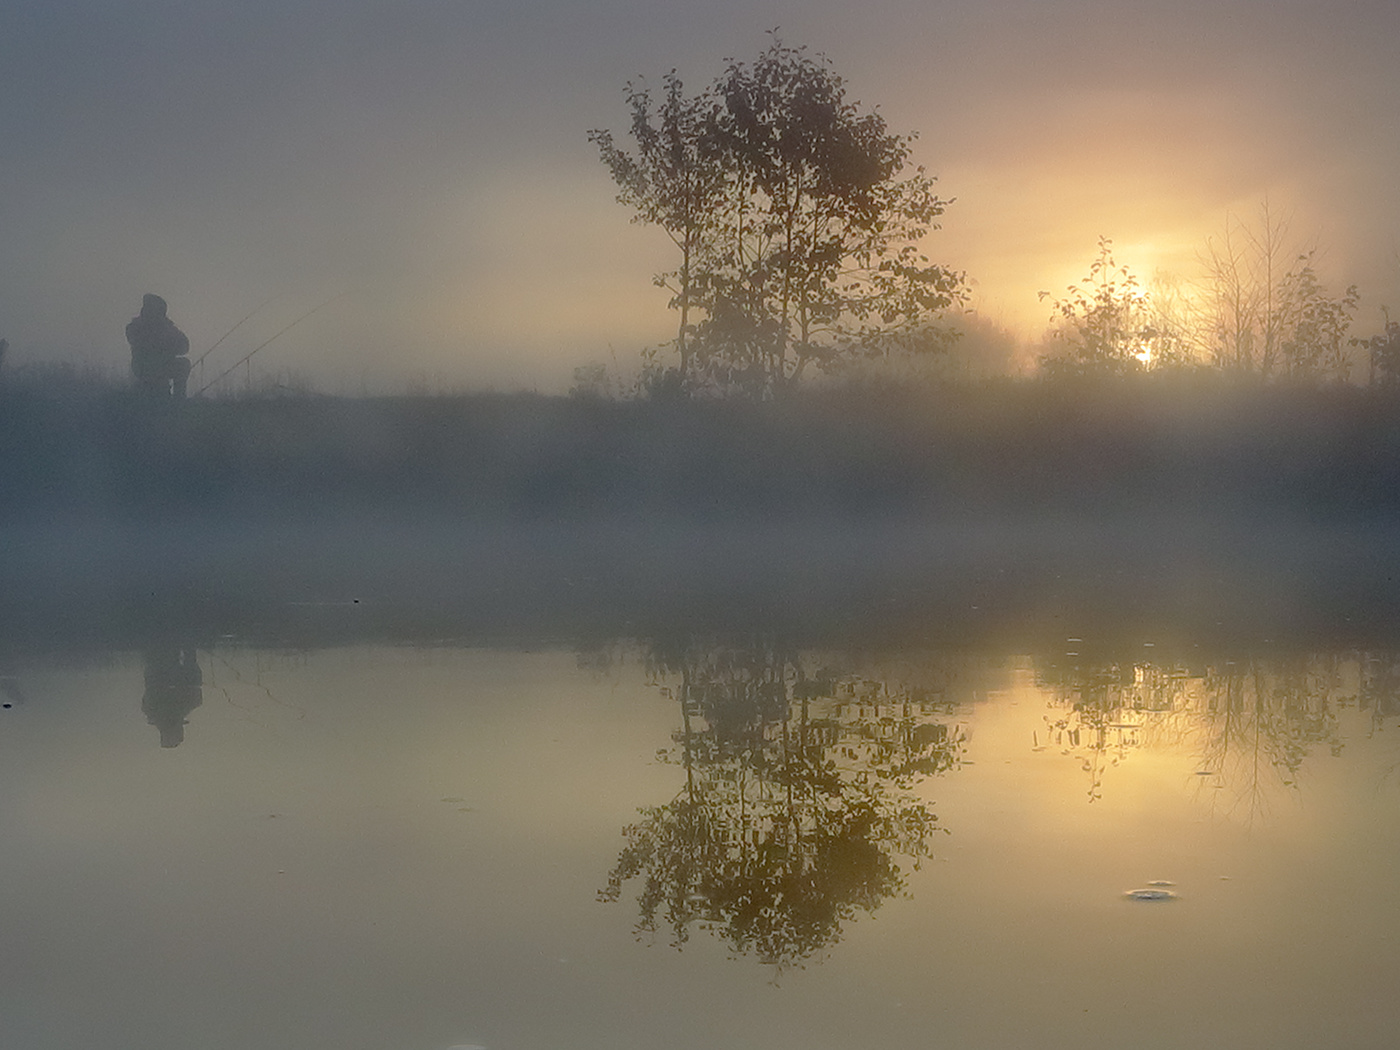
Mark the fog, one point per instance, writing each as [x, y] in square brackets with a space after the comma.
[430, 677]
[429, 165]
[1203, 510]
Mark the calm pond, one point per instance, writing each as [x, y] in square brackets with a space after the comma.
[698, 844]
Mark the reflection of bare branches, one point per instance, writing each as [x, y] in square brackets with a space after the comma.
[798, 799]
[1108, 710]
[1253, 723]
[1378, 690]
[1261, 721]
[255, 683]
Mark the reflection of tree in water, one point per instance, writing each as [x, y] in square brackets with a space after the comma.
[1106, 708]
[173, 689]
[1264, 718]
[1252, 722]
[797, 801]
[1378, 691]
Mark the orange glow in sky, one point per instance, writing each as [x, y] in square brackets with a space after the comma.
[431, 163]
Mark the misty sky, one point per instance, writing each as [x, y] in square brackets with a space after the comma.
[427, 161]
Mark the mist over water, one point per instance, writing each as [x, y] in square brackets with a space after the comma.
[525, 722]
[1200, 509]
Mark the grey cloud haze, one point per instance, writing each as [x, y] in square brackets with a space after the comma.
[428, 161]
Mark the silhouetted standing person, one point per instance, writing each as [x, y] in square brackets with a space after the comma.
[159, 361]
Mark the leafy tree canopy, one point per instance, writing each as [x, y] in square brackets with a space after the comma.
[797, 218]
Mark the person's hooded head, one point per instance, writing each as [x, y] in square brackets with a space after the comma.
[153, 307]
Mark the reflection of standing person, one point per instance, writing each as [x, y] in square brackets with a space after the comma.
[12, 694]
[173, 690]
[158, 350]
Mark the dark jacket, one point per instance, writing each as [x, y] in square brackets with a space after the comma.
[155, 341]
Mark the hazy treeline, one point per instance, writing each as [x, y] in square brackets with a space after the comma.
[1179, 445]
[799, 221]
[1259, 307]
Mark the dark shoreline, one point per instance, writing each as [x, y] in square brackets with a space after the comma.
[1201, 508]
[1190, 445]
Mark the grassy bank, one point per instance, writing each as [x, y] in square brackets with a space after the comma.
[1001, 512]
[1201, 446]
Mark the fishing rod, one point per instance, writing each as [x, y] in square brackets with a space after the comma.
[264, 343]
[200, 359]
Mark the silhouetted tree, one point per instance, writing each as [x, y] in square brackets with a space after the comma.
[676, 179]
[1267, 311]
[798, 225]
[1383, 353]
[824, 225]
[1103, 321]
[1315, 325]
[1174, 333]
[1243, 267]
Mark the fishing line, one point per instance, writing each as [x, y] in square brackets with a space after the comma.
[265, 342]
[200, 359]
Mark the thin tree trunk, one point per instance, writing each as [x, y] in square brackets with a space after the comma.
[681, 343]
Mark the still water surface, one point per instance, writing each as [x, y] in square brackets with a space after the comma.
[698, 846]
